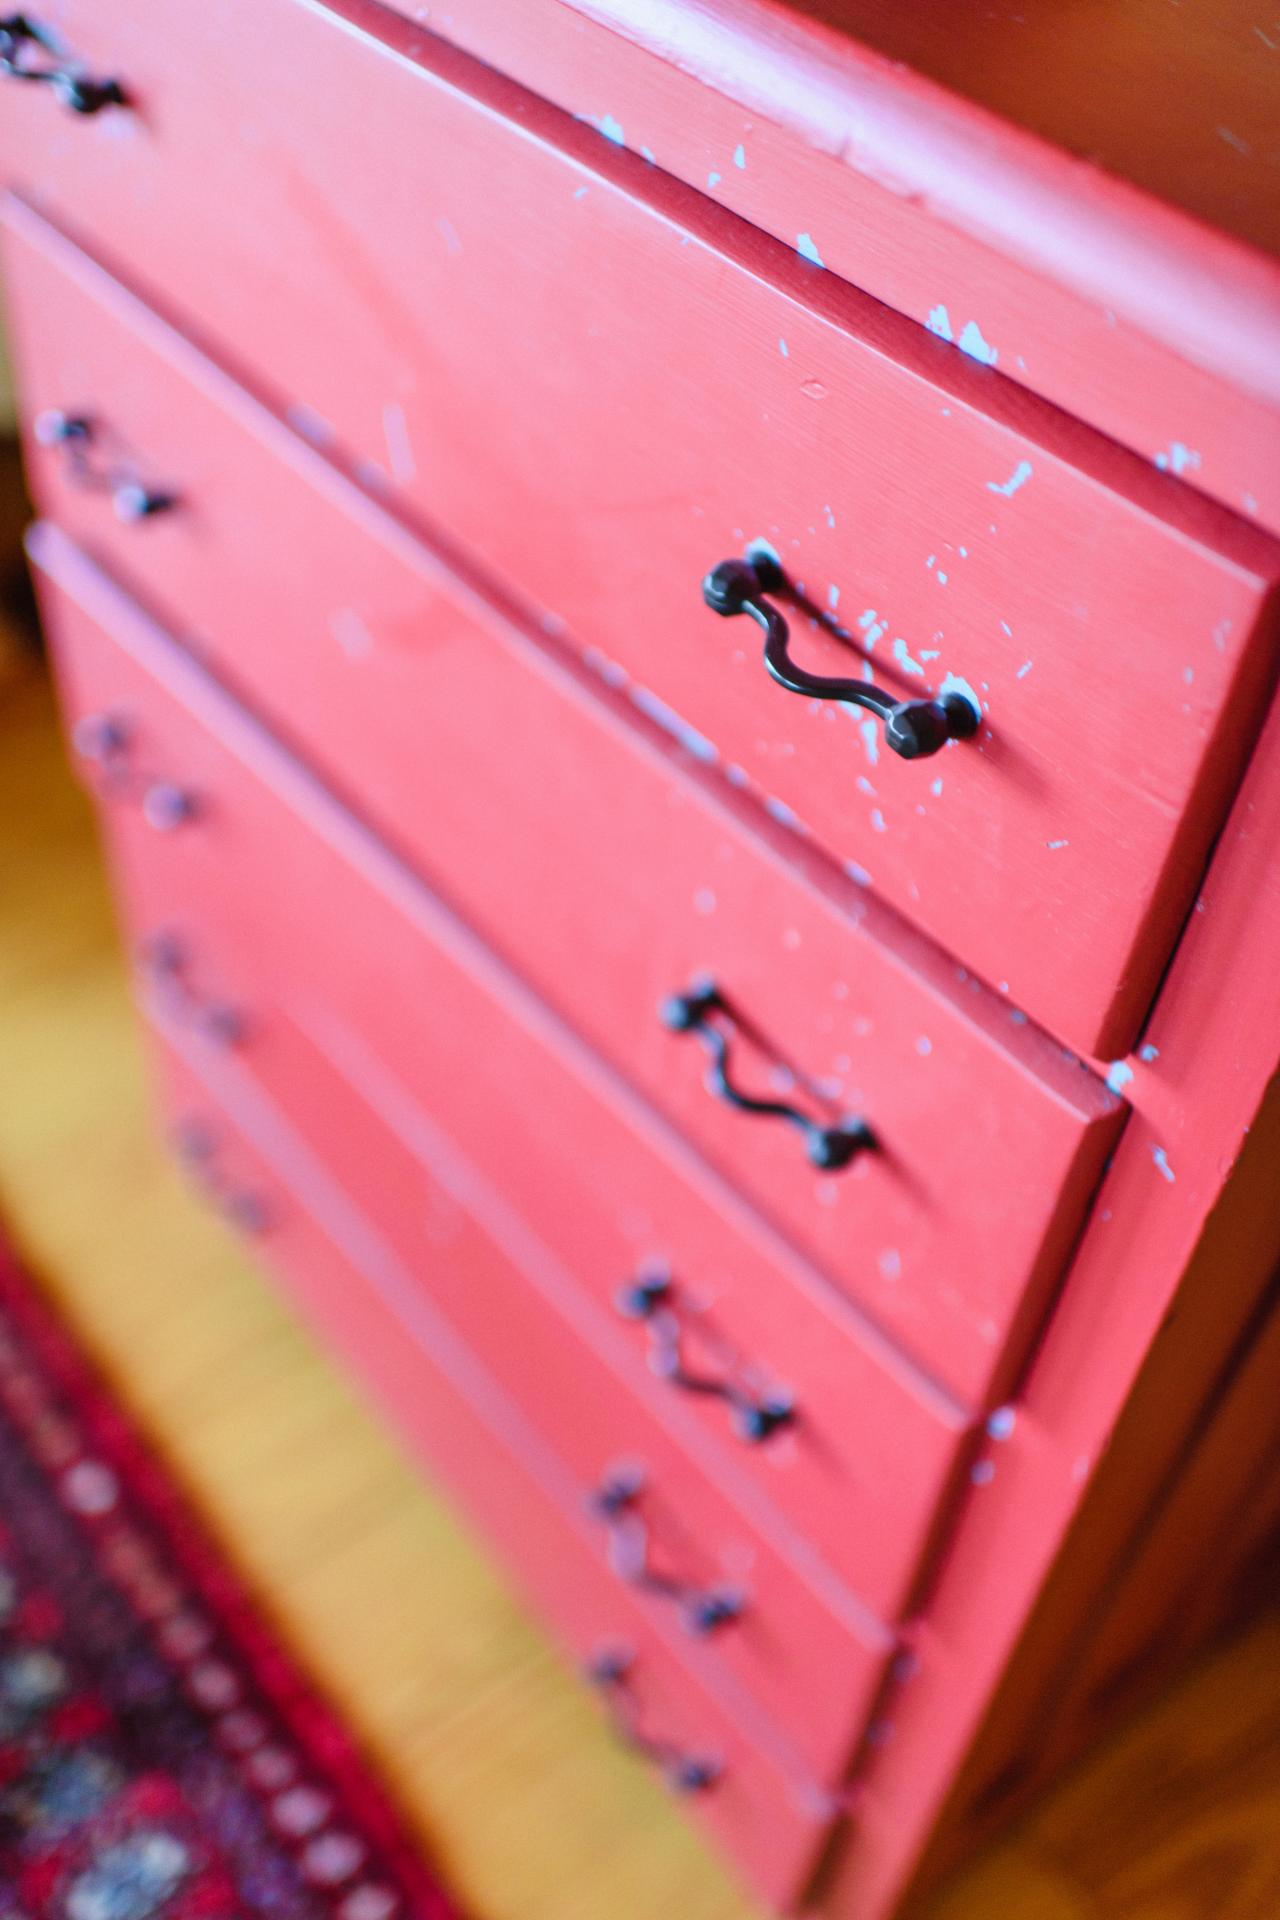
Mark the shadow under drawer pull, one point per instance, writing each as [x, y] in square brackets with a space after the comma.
[75, 434]
[754, 1414]
[913, 728]
[829, 1146]
[608, 1671]
[615, 1500]
[23, 39]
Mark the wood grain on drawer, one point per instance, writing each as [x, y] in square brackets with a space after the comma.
[266, 896]
[608, 864]
[503, 1471]
[605, 386]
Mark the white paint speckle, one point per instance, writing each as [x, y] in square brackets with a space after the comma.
[739, 155]
[1148, 1052]
[924, 1046]
[1161, 1159]
[1119, 1074]
[610, 128]
[859, 875]
[939, 322]
[952, 683]
[1018, 478]
[580, 193]
[972, 343]
[1024, 670]
[833, 598]
[878, 820]
[902, 654]
[1177, 459]
[395, 431]
[870, 731]
[783, 348]
[1002, 1423]
[829, 516]
[1055, 846]
[713, 180]
[942, 577]
[351, 633]
[807, 250]
[936, 788]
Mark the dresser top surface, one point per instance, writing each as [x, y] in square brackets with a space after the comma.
[1179, 97]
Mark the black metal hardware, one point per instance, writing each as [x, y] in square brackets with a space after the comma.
[197, 1148]
[829, 1146]
[166, 963]
[75, 434]
[652, 1297]
[703, 1609]
[609, 1670]
[106, 741]
[23, 38]
[913, 728]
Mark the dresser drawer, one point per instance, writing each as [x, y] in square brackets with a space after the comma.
[269, 918]
[612, 869]
[801, 1655]
[583, 370]
[244, 1156]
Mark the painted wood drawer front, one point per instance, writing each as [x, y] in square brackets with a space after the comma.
[278, 900]
[587, 846]
[449, 1409]
[798, 1654]
[606, 385]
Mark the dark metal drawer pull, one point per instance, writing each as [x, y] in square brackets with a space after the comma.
[829, 1146]
[197, 1149]
[104, 740]
[703, 1609]
[913, 728]
[166, 964]
[22, 37]
[75, 434]
[652, 1297]
[609, 1670]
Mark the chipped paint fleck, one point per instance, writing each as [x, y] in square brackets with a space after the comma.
[924, 1046]
[833, 598]
[939, 322]
[580, 193]
[902, 654]
[1024, 670]
[807, 250]
[1002, 1423]
[1119, 1074]
[783, 348]
[1178, 459]
[936, 788]
[972, 343]
[739, 155]
[610, 128]
[878, 820]
[1018, 478]
[1161, 1159]
[1054, 845]
[870, 731]
[1148, 1052]
[713, 180]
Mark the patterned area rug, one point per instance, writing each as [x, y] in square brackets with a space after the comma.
[161, 1758]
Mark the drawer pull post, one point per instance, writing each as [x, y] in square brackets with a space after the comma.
[608, 1671]
[652, 1297]
[74, 433]
[615, 1500]
[21, 35]
[914, 729]
[828, 1146]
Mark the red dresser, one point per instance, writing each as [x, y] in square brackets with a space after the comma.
[672, 615]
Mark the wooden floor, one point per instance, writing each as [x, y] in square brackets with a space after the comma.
[496, 1752]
